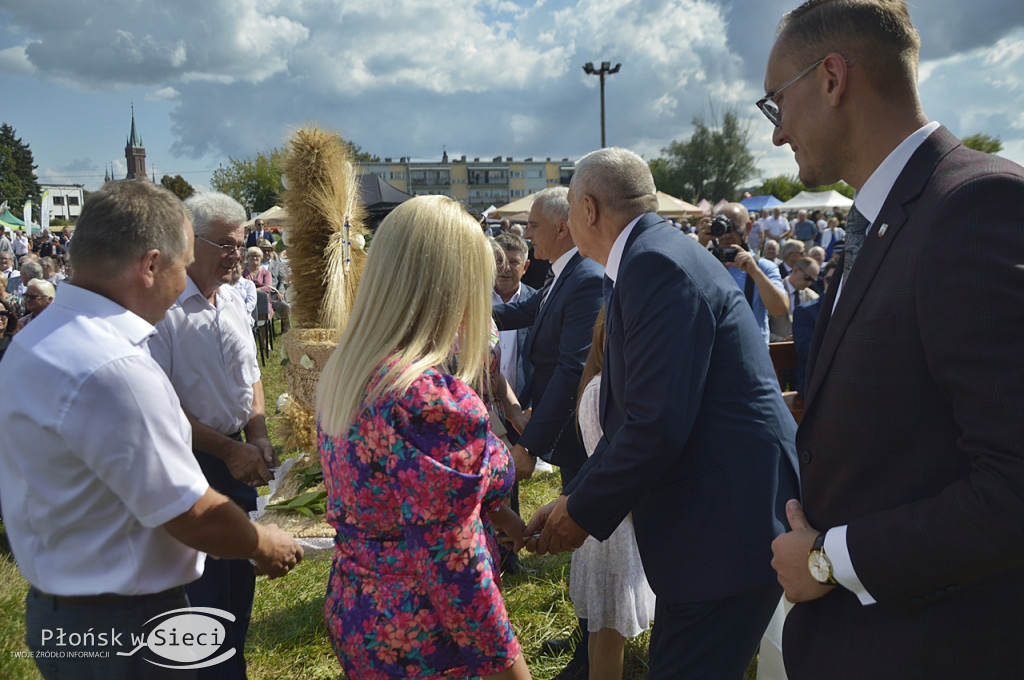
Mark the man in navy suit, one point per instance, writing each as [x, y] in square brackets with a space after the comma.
[561, 320]
[698, 443]
[258, 232]
[906, 559]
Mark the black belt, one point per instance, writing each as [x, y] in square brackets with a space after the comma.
[107, 599]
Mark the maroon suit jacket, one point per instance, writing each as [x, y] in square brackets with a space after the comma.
[913, 432]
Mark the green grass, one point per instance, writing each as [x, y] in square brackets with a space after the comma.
[287, 636]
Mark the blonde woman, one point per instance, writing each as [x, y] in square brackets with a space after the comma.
[415, 478]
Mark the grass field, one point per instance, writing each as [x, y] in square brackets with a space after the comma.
[287, 637]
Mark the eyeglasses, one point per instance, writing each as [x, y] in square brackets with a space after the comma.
[226, 249]
[33, 296]
[767, 103]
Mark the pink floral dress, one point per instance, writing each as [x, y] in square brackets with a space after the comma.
[413, 590]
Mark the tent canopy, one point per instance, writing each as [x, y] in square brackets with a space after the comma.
[670, 206]
[817, 200]
[379, 196]
[8, 218]
[760, 203]
[272, 217]
[520, 205]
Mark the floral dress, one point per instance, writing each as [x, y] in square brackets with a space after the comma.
[413, 590]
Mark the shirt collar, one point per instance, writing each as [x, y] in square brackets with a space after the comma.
[611, 269]
[82, 301]
[872, 195]
[496, 298]
[559, 265]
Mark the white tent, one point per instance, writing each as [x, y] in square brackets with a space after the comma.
[817, 200]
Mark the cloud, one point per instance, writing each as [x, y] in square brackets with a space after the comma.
[14, 61]
[73, 172]
[163, 94]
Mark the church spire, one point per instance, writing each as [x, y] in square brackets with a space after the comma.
[135, 153]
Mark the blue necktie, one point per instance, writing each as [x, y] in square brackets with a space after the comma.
[856, 225]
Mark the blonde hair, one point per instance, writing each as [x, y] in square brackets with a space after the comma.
[427, 280]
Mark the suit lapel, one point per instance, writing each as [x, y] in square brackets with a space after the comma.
[831, 326]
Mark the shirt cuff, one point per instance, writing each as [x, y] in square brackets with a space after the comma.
[842, 566]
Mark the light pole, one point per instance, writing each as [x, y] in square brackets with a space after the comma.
[605, 69]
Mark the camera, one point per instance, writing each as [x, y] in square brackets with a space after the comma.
[724, 254]
[720, 226]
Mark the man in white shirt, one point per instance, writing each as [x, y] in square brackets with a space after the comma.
[508, 287]
[776, 226]
[20, 244]
[206, 347]
[108, 515]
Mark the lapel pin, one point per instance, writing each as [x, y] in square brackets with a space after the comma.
[882, 229]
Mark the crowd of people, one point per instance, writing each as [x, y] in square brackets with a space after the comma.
[638, 365]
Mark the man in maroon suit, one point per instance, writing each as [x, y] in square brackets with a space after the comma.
[906, 556]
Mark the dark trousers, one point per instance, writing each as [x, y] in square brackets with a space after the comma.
[97, 658]
[715, 640]
[227, 584]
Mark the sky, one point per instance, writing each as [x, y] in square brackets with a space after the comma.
[213, 79]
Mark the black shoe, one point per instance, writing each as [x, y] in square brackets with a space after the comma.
[557, 646]
[574, 670]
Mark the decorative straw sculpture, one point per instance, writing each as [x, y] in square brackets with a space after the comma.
[326, 222]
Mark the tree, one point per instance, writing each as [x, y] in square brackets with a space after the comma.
[253, 182]
[985, 143]
[178, 186]
[360, 156]
[18, 181]
[785, 187]
[712, 164]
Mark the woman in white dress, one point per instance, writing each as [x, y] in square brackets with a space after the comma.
[607, 584]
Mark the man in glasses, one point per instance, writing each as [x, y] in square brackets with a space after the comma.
[205, 346]
[758, 278]
[798, 289]
[906, 557]
[259, 232]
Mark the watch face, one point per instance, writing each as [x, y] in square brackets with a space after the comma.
[819, 566]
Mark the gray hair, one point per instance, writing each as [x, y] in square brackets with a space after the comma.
[209, 207]
[516, 229]
[42, 287]
[31, 270]
[513, 242]
[554, 203]
[125, 219]
[618, 179]
[791, 246]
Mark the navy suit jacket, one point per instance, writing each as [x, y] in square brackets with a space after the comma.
[804, 318]
[698, 443]
[556, 346]
[253, 238]
[913, 434]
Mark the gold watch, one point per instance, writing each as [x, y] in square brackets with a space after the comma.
[819, 564]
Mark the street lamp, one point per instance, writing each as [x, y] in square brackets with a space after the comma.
[605, 69]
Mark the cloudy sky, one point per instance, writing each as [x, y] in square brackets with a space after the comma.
[211, 79]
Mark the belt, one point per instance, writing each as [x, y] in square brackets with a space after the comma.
[107, 599]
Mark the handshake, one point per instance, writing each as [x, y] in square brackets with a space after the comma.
[550, 531]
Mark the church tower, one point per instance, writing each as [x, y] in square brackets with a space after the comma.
[135, 153]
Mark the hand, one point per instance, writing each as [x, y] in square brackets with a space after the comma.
[524, 462]
[560, 532]
[790, 560]
[509, 526]
[276, 553]
[537, 522]
[744, 261]
[246, 464]
[266, 450]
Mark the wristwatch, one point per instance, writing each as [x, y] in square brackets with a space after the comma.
[819, 564]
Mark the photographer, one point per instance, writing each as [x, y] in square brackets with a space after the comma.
[758, 278]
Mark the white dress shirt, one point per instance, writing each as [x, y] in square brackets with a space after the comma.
[247, 289]
[869, 201]
[209, 353]
[94, 464]
[509, 342]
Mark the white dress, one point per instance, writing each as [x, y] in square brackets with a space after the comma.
[607, 584]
